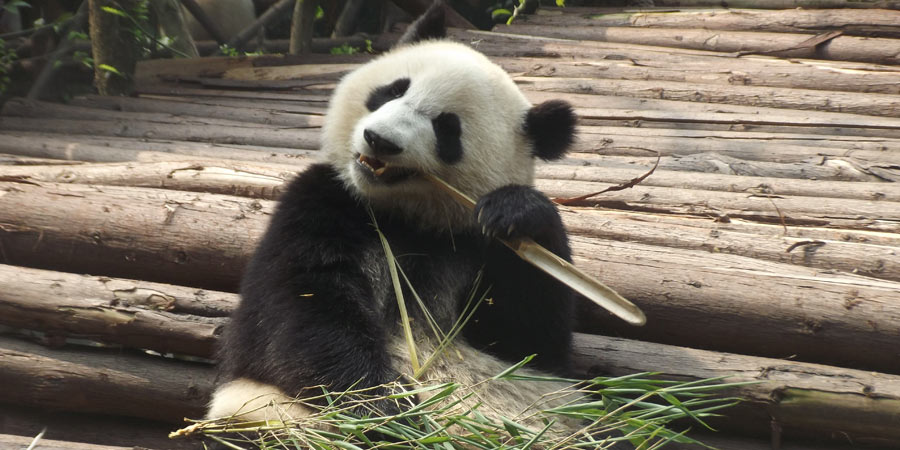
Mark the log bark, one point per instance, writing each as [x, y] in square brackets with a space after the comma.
[114, 149]
[265, 180]
[714, 70]
[785, 45]
[853, 22]
[796, 396]
[97, 381]
[830, 251]
[615, 62]
[786, 4]
[98, 429]
[10, 441]
[803, 99]
[241, 179]
[131, 313]
[755, 207]
[200, 240]
[805, 399]
[144, 127]
[825, 169]
[203, 240]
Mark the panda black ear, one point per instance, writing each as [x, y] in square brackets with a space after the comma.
[430, 25]
[551, 127]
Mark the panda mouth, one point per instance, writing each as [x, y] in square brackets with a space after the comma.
[379, 170]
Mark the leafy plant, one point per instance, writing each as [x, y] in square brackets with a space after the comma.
[7, 57]
[633, 409]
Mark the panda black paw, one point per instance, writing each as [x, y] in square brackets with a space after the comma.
[516, 211]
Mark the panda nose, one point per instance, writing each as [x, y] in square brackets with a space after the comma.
[379, 145]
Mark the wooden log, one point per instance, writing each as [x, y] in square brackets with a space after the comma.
[98, 429]
[190, 239]
[787, 4]
[795, 396]
[853, 22]
[132, 313]
[785, 45]
[618, 62]
[699, 181]
[37, 109]
[829, 251]
[823, 250]
[203, 240]
[748, 306]
[98, 381]
[265, 180]
[719, 71]
[10, 441]
[115, 149]
[829, 169]
[804, 99]
[804, 399]
[689, 150]
[241, 179]
[755, 207]
[202, 130]
[269, 113]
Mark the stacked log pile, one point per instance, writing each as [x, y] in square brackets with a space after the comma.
[765, 247]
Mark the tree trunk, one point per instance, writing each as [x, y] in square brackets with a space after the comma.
[853, 22]
[171, 20]
[785, 45]
[302, 26]
[113, 47]
[204, 240]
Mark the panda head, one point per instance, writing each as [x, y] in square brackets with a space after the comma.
[439, 107]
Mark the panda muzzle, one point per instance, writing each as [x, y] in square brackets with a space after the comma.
[384, 172]
[377, 166]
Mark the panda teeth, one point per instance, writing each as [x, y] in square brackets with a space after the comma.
[379, 171]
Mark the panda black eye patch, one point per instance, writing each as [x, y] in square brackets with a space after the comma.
[447, 131]
[386, 93]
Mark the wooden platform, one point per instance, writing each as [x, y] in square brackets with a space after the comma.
[765, 247]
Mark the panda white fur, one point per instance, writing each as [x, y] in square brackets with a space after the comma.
[318, 306]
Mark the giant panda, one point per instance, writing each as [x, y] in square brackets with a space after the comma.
[317, 302]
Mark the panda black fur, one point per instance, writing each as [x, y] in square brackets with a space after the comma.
[318, 305]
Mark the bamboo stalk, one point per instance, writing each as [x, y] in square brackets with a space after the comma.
[557, 267]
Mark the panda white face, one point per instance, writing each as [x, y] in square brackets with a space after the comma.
[435, 107]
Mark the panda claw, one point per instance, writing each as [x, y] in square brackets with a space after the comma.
[509, 231]
[480, 215]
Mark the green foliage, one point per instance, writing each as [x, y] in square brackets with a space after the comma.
[13, 6]
[345, 49]
[226, 50]
[110, 69]
[140, 28]
[634, 409]
[7, 57]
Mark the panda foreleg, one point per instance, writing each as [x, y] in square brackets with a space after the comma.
[529, 312]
